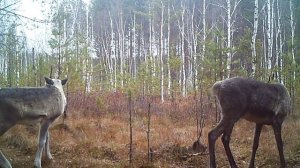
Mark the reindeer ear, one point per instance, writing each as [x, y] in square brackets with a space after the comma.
[49, 81]
[63, 82]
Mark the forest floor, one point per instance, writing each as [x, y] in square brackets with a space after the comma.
[103, 141]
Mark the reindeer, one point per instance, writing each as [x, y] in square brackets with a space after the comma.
[255, 101]
[32, 106]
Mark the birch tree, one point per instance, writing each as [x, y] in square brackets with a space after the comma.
[181, 25]
[192, 41]
[230, 10]
[254, 34]
[278, 43]
[204, 27]
[229, 26]
[292, 24]
[161, 51]
[168, 47]
[293, 73]
[134, 54]
[269, 33]
[151, 37]
[113, 51]
[121, 40]
[133, 34]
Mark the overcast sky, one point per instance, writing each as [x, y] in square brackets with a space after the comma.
[37, 33]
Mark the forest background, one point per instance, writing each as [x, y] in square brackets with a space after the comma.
[164, 53]
[163, 48]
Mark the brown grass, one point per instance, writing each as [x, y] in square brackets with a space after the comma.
[103, 142]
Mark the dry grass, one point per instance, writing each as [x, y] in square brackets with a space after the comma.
[106, 138]
[95, 141]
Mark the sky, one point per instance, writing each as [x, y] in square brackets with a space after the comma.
[37, 34]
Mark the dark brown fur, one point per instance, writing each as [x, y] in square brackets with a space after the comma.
[262, 103]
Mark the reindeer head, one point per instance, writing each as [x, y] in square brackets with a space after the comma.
[56, 82]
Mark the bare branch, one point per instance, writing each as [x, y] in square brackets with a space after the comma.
[235, 6]
[218, 5]
[8, 6]
[25, 17]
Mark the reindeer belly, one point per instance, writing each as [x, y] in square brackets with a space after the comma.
[30, 121]
[31, 115]
[32, 112]
[259, 115]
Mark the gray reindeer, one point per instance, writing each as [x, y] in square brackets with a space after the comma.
[255, 101]
[32, 106]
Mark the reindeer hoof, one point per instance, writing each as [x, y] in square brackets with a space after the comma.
[37, 164]
[49, 157]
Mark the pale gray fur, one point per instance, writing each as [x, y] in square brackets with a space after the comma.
[32, 106]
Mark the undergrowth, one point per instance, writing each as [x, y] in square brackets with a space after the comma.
[89, 138]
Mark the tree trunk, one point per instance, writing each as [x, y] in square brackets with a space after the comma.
[161, 52]
[228, 24]
[134, 47]
[253, 42]
[279, 45]
[182, 30]
[112, 55]
[292, 23]
[293, 73]
[168, 49]
[269, 34]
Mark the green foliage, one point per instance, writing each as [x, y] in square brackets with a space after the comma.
[243, 60]
[297, 21]
[147, 79]
[212, 63]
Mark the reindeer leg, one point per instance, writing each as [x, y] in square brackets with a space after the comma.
[277, 131]
[212, 137]
[48, 153]
[4, 126]
[255, 144]
[226, 140]
[4, 162]
[42, 140]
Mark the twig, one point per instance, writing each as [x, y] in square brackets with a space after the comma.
[18, 15]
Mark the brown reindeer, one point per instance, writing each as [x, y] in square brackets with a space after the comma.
[255, 101]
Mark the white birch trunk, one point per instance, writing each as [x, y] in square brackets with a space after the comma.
[161, 50]
[194, 50]
[168, 49]
[121, 48]
[75, 16]
[265, 45]
[113, 74]
[204, 32]
[150, 39]
[204, 28]
[230, 13]
[254, 33]
[269, 34]
[292, 23]
[228, 37]
[88, 59]
[134, 47]
[272, 32]
[107, 61]
[278, 43]
[183, 78]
